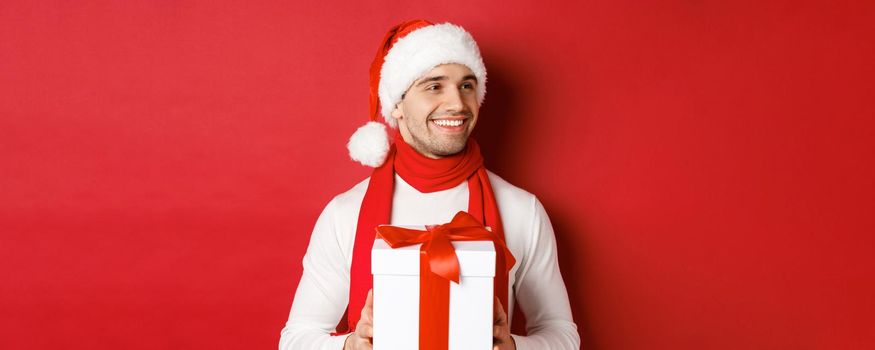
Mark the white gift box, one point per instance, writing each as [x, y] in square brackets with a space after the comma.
[396, 296]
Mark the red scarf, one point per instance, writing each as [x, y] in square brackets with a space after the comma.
[426, 175]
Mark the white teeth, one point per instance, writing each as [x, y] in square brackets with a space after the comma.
[442, 122]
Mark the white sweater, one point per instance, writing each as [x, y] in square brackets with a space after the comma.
[534, 282]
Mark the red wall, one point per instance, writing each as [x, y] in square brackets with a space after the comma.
[707, 167]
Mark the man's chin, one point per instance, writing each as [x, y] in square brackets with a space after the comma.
[449, 150]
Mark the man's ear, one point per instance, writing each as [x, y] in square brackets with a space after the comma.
[396, 113]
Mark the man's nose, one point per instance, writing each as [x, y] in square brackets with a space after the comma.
[453, 100]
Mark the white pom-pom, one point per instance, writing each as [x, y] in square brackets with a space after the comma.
[369, 144]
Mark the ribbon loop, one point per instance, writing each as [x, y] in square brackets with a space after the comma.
[436, 243]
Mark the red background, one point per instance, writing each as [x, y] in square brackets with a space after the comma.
[707, 167]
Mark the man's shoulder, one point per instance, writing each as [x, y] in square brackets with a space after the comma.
[520, 210]
[351, 199]
[507, 193]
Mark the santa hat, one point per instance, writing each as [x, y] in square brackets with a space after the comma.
[408, 51]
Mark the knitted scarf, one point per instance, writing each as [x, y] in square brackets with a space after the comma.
[426, 175]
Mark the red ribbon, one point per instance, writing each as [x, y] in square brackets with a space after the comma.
[439, 265]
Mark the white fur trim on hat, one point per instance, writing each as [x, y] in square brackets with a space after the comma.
[421, 50]
[369, 144]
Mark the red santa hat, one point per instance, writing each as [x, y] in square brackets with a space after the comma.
[408, 51]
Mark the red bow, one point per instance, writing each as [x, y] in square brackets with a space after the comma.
[436, 243]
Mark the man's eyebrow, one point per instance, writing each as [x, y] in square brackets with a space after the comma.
[444, 77]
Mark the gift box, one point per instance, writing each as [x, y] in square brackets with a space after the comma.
[397, 297]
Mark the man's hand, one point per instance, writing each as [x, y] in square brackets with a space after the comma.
[501, 339]
[364, 329]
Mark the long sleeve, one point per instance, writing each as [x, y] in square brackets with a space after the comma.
[541, 294]
[538, 288]
[322, 293]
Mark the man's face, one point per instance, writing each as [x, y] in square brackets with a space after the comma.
[438, 112]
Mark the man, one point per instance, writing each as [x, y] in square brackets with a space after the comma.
[427, 82]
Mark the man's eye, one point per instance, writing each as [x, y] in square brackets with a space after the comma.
[468, 86]
[433, 87]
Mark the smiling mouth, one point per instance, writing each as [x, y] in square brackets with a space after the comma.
[450, 124]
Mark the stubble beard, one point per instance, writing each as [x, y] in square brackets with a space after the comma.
[424, 141]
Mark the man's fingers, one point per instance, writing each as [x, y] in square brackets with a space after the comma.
[364, 331]
[366, 315]
[495, 308]
[369, 304]
[368, 310]
[362, 344]
[498, 315]
[500, 331]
